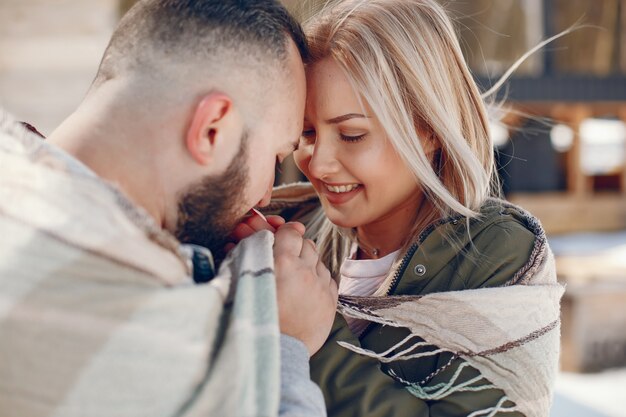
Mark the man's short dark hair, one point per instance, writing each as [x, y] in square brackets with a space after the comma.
[201, 29]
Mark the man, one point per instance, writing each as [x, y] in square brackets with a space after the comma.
[176, 140]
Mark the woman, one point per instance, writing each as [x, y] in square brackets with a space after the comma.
[449, 296]
[396, 144]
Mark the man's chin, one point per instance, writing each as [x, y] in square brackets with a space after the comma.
[208, 211]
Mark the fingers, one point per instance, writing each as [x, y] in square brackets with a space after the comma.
[272, 220]
[297, 226]
[242, 231]
[311, 258]
[334, 289]
[254, 222]
[306, 293]
[275, 221]
[259, 223]
[255, 212]
[323, 272]
[308, 253]
[324, 275]
[288, 240]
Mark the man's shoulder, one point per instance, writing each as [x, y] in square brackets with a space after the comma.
[15, 137]
[48, 197]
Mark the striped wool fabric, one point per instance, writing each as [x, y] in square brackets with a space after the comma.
[99, 315]
[510, 334]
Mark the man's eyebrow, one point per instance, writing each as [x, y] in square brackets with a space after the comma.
[345, 117]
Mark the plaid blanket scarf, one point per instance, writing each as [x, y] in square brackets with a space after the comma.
[98, 314]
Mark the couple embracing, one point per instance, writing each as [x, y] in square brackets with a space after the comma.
[136, 280]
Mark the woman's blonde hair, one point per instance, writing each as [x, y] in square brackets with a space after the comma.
[403, 57]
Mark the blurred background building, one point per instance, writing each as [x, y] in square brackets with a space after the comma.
[560, 141]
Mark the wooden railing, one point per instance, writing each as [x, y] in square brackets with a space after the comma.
[579, 207]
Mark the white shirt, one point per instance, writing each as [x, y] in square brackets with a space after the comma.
[362, 277]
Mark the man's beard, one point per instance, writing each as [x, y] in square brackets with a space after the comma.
[210, 209]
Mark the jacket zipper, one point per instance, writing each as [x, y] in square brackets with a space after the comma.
[401, 268]
[409, 254]
[405, 262]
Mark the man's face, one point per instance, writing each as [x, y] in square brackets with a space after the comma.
[210, 209]
[277, 131]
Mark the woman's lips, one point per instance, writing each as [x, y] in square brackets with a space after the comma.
[337, 198]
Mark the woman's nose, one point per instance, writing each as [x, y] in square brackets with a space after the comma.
[323, 161]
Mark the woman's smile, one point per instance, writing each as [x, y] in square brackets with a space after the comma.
[339, 193]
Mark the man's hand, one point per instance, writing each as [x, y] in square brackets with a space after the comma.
[307, 295]
[252, 223]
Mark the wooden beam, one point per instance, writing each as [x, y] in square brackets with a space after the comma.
[622, 117]
[567, 213]
[577, 183]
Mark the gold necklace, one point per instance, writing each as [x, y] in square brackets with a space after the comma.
[372, 252]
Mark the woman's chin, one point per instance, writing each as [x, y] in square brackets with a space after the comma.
[341, 215]
[341, 220]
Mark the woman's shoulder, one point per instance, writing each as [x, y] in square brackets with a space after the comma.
[506, 214]
[503, 227]
[495, 249]
[504, 241]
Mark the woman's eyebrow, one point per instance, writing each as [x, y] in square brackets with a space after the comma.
[345, 117]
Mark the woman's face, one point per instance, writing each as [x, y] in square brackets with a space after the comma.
[345, 154]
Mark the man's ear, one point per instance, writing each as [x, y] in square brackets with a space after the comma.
[209, 126]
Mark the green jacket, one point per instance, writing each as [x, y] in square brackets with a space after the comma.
[497, 253]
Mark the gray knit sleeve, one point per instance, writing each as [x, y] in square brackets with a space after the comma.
[299, 396]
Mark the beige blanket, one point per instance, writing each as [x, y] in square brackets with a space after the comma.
[99, 315]
[510, 334]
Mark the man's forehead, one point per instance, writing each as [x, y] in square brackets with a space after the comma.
[281, 127]
[289, 134]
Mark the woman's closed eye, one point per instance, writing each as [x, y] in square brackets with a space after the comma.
[309, 137]
[352, 138]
